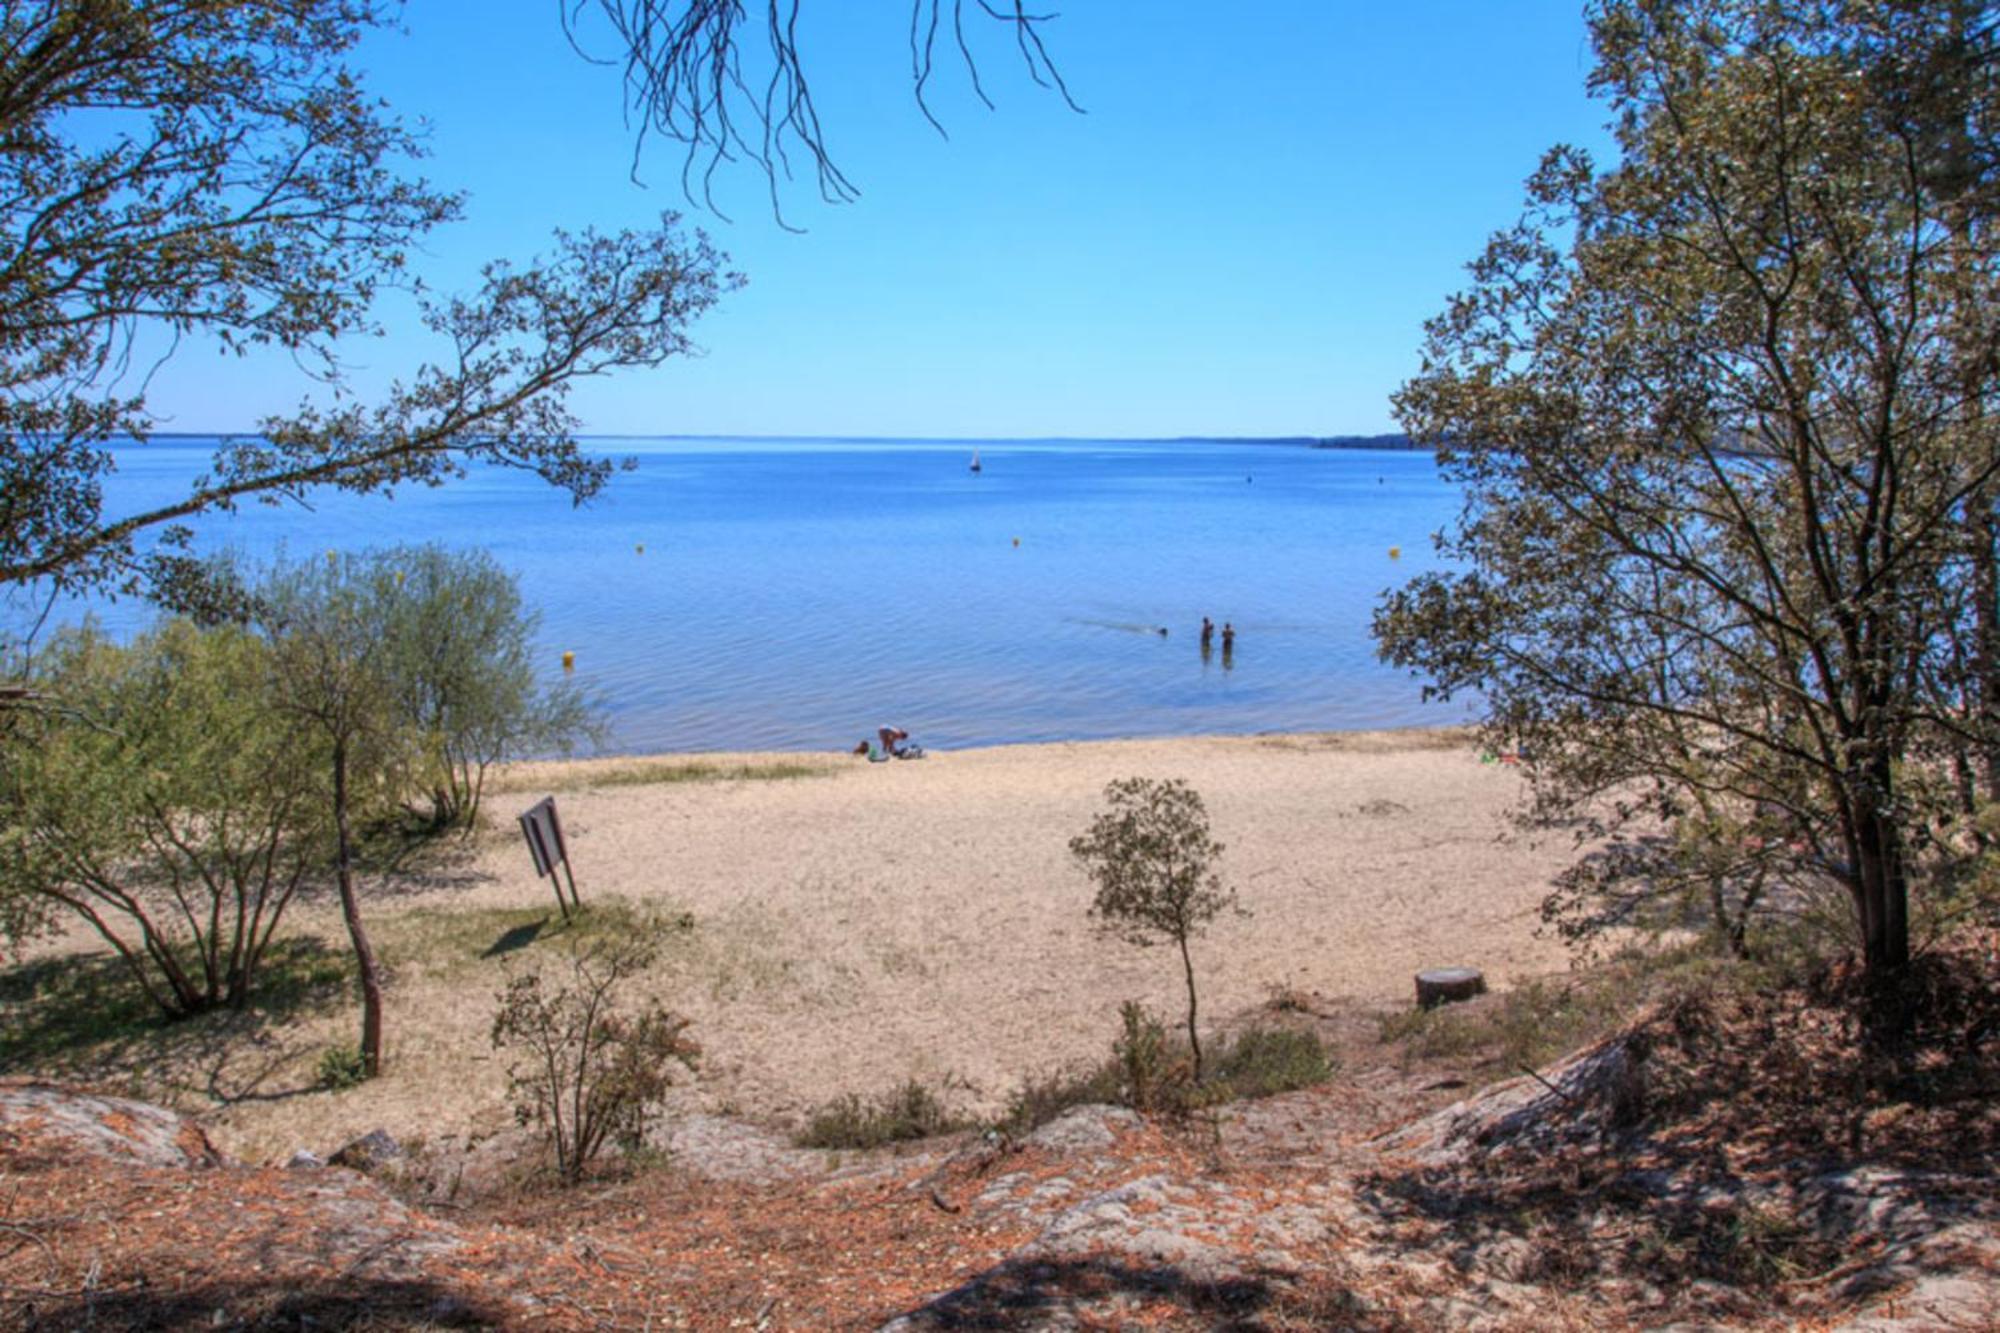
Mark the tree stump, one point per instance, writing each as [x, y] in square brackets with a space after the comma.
[1448, 985]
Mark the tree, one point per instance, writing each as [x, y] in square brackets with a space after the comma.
[1153, 860]
[215, 169]
[330, 673]
[1719, 412]
[460, 680]
[165, 805]
[707, 76]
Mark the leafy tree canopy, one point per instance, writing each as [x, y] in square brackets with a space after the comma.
[1721, 413]
[216, 170]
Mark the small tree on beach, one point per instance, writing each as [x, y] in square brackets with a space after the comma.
[1153, 862]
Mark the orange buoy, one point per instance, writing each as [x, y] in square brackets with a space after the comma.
[569, 661]
[1395, 553]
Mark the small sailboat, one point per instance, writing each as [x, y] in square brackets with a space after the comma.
[975, 460]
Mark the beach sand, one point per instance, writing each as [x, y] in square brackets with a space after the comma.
[867, 923]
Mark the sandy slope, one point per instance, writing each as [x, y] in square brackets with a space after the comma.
[924, 918]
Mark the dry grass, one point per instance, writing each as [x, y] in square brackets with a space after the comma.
[593, 774]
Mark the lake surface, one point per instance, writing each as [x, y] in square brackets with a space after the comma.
[796, 595]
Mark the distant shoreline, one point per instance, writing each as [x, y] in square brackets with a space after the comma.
[1393, 443]
[1424, 736]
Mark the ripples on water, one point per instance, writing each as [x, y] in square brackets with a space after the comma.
[797, 595]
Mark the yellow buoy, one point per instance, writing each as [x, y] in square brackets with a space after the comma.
[569, 661]
[1395, 553]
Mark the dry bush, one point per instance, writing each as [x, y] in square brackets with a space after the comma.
[585, 1071]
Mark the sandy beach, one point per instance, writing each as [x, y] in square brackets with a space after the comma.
[857, 924]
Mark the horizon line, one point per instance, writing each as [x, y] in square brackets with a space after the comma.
[1348, 439]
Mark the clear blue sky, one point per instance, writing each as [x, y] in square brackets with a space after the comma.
[1243, 236]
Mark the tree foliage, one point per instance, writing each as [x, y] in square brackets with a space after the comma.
[166, 804]
[460, 681]
[728, 80]
[1720, 413]
[331, 676]
[1153, 861]
[216, 170]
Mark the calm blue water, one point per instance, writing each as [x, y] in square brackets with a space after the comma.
[797, 595]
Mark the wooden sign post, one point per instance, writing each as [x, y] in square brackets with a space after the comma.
[543, 831]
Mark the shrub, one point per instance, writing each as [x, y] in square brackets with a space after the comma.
[912, 1111]
[165, 804]
[341, 1068]
[1153, 1073]
[1262, 1062]
[587, 1072]
[1152, 1077]
[1042, 1099]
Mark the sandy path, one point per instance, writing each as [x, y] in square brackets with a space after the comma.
[925, 918]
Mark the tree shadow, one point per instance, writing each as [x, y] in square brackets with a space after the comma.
[1762, 1143]
[346, 1302]
[519, 937]
[1018, 1292]
[85, 1016]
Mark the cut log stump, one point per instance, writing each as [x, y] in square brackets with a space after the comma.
[1447, 985]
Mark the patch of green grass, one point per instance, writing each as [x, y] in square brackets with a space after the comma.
[1539, 1020]
[665, 772]
[910, 1112]
[441, 940]
[1526, 1026]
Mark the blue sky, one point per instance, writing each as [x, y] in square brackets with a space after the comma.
[1242, 236]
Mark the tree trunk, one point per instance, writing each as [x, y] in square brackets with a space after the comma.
[1884, 897]
[350, 908]
[1986, 631]
[1194, 1040]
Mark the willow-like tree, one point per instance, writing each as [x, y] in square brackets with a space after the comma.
[332, 675]
[1720, 413]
